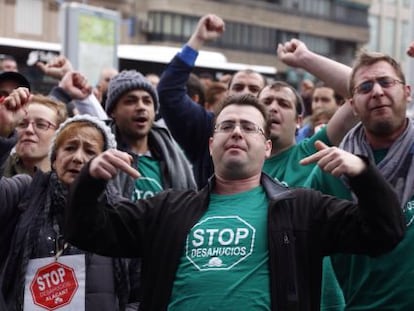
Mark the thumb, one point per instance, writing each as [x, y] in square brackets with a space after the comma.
[319, 145]
[42, 66]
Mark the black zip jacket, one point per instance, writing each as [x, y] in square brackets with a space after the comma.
[303, 226]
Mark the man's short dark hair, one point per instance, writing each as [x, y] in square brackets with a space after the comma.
[7, 57]
[277, 85]
[196, 87]
[245, 100]
[249, 72]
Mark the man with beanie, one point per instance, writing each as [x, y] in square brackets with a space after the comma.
[132, 103]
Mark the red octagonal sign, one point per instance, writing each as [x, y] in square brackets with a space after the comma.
[53, 286]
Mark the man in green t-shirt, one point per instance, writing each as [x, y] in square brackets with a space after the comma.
[244, 242]
[285, 107]
[379, 97]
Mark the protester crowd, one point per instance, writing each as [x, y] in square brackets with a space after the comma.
[186, 192]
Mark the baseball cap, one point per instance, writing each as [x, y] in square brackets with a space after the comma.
[16, 77]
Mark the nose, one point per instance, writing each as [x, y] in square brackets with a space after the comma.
[79, 156]
[316, 104]
[274, 106]
[377, 90]
[245, 90]
[139, 104]
[29, 128]
[237, 132]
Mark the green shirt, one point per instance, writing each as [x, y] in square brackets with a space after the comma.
[150, 182]
[285, 166]
[381, 283]
[225, 262]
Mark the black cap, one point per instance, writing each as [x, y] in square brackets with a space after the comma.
[20, 80]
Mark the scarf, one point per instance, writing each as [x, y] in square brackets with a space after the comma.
[397, 167]
[178, 171]
[43, 218]
[178, 168]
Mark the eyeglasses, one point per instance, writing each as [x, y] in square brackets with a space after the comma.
[38, 124]
[367, 86]
[245, 126]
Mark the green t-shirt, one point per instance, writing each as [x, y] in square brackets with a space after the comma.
[381, 283]
[150, 182]
[285, 166]
[225, 262]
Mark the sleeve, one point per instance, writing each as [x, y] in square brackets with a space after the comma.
[12, 189]
[373, 226]
[189, 123]
[308, 144]
[59, 94]
[327, 183]
[91, 106]
[95, 225]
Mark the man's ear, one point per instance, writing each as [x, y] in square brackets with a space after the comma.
[352, 104]
[299, 121]
[268, 148]
[408, 93]
[210, 142]
[196, 98]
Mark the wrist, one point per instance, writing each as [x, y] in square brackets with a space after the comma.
[195, 42]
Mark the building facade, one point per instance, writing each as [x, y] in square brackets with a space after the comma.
[335, 28]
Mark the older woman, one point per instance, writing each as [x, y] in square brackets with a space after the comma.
[39, 268]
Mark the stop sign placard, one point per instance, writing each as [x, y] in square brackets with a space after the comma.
[53, 286]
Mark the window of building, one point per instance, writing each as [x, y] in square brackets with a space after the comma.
[317, 44]
[29, 17]
[388, 36]
[188, 27]
[373, 44]
[167, 24]
[177, 25]
[405, 39]
[238, 36]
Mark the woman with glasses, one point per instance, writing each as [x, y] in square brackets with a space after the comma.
[39, 267]
[35, 131]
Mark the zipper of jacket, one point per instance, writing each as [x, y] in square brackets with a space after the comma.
[292, 293]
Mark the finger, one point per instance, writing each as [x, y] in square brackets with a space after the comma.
[22, 96]
[127, 168]
[41, 66]
[108, 168]
[319, 145]
[214, 23]
[279, 49]
[86, 90]
[99, 172]
[313, 158]
[310, 159]
[328, 164]
[338, 171]
[122, 161]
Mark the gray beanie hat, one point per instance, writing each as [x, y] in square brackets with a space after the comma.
[110, 141]
[126, 81]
